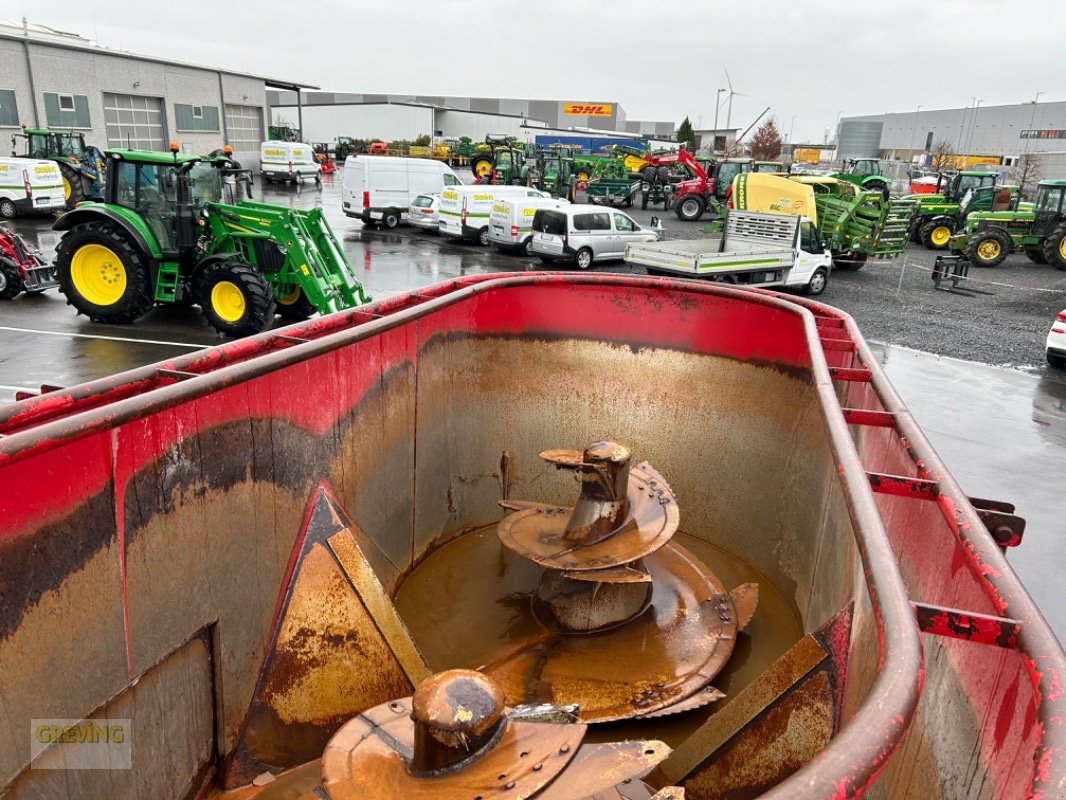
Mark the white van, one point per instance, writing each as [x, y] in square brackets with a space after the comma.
[288, 162]
[28, 186]
[585, 233]
[511, 221]
[382, 188]
[465, 210]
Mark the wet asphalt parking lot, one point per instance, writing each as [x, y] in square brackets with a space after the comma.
[969, 362]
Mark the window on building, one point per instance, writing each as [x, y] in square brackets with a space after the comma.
[244, 127]
[66, 110]
[134, 121]
[195, 118]
[9, 111]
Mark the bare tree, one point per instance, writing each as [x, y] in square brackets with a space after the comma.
[1027, 170]
[943, 155]
[767, 142]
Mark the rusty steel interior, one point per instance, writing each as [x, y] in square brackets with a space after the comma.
[688, 536]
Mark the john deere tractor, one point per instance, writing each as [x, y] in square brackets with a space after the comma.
[501, 159]
[938, 215]
[81, 165]
[163, 235]
[1040, 231]
[866, 174]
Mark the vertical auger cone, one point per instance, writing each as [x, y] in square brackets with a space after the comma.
[605, 560]
[455, 739]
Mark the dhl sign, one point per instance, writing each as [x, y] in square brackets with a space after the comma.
[588, 109]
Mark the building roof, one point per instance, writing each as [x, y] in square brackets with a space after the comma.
[51, 37]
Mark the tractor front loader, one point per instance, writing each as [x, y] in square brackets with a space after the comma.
[163, 235]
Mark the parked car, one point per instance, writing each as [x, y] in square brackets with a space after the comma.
[424, 212]
[1056, 341]
[584, 234]
[380, 189]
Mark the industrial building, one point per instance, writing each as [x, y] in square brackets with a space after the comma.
[323, 116]
[994, 135]
[63, 81]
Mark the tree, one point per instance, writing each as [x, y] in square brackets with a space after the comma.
[766, 143]
[943, 155]
[1027, 170]
[686, 135]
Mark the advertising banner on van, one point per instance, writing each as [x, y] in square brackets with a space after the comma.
[588, 109]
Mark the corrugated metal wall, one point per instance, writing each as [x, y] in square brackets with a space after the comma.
[858, 139]
[453, 124]
[371, 121]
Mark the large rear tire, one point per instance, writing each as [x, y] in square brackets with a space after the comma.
[295, 306]
[236, 300]
[689, 208]
[1036, 256]
[103, 274]
[481, 166]
[935, 234]
[1055, 246]
[876, 186]
[73, 190]
[988, 248]
[10, 279]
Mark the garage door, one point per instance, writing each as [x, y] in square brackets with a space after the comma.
[244, 127]
[134, 121]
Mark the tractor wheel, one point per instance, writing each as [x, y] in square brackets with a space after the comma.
[8, 210]
[690, 208]
[481, 166]
[582, 174]
[10, 279]
[876, 186]
[295, 306]
[1055, 247]
[648, 174]
[851, 264]
[915, 232]
[1035, 255]
[936, 234]
[390, 219]
[103, 274]
[236, 300]
[664, 174]
[988, 248]
[73, 189]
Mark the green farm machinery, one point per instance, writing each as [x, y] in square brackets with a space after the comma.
[866, 174]
[501, 160]
[163, 235]
[553, 172]
[941, 213]
[612, 183]
[82, 166]
[988, 237]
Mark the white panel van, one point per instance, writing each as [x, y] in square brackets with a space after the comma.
[465, 210]
[288, 161]
[29, 186]
[511, 221]
[380, 189]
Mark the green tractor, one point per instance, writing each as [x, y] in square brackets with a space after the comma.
[553, 173]
[1039, 231]
[938, 215]
[866, 174]
[501, 160]
[81, 165]
[163, 235]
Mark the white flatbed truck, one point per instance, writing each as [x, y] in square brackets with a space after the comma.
[755, 249]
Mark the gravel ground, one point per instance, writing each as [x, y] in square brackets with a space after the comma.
[1000, 317]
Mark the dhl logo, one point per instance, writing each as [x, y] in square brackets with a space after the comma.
[588, 109]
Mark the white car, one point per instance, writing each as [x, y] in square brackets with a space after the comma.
[424, 212]
[1056, 341]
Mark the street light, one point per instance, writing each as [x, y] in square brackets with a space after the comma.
[790, 129]
[973, 126]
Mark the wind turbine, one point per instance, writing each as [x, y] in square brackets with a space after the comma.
[729, 111]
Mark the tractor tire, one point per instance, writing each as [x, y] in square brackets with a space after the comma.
[8, 209]
[390, 219]
[988, 248]
[664, 174]
[236, 300]
[481, 166]
[295, 306]
[876, 186]
[915, 231]
[1035, 255]
[582, 174]
[10, 279]
[73, 189]
[103, 274]
[1055, 246]
[935, 234]
[648, 174]
[690, 208]
[850, 265]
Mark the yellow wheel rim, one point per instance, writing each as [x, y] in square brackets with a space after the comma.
[98, 274]
[227, 301]
[290, 298]
[988, 249]
[940, 235]
[1062, 248]
[483, 168]
[67, 190]
[582, 175]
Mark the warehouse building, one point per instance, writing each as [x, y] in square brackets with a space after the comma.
[993, 135]
[61, 80]
[323, 116]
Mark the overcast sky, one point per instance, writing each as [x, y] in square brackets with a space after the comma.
[808, 61]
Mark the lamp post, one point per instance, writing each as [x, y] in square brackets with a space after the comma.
[791, 127]
[717, 105]
[973, 127]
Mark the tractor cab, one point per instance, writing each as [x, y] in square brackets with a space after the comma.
[1048, 205]
[863, 167]
[958, 185]
[725, 171]
[44, 144]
